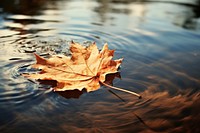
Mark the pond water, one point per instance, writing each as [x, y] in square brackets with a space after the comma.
[160, 44]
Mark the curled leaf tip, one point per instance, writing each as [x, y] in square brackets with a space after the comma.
[39, 59]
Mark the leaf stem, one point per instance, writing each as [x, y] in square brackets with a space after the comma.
[120, 89]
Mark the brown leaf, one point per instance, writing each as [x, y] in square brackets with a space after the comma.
[86, 68]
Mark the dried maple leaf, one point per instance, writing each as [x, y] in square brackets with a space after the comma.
[87, 68]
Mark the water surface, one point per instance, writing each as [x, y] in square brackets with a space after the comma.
[160, 44]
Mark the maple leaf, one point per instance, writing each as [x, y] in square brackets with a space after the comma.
[87, 68]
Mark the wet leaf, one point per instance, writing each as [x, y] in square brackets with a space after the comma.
[87, 68]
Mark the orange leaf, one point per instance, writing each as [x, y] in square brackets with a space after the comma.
[86, 68]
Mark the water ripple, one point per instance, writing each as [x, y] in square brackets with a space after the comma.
[18, 91]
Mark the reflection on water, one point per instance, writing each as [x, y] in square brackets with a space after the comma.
[159, 41]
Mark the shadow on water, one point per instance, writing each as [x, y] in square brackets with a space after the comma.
[159, 41]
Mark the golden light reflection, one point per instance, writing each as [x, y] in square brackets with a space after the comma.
[13, 25]
[169, 113]
[163, 113]
[7, 32]
[20, 17]
[138, 10]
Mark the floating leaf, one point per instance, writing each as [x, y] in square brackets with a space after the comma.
[86, 68]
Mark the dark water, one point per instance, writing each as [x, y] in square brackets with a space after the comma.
[160, 43]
